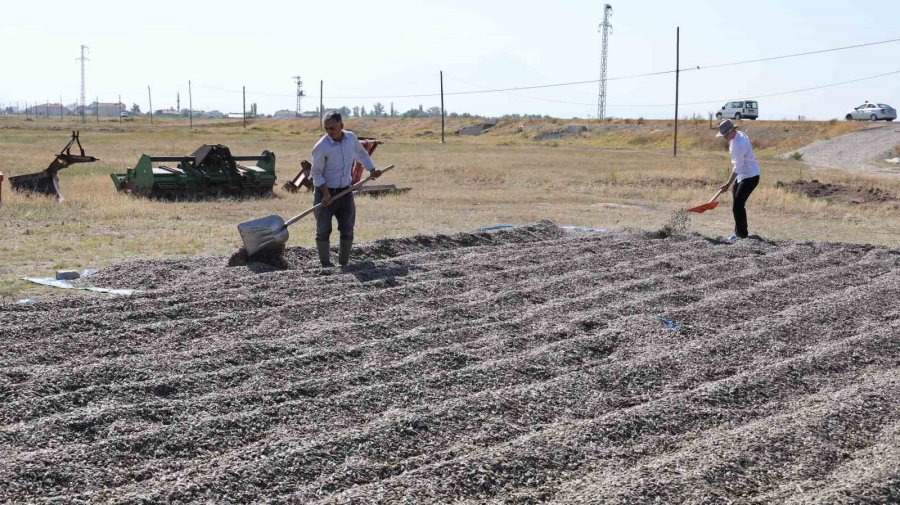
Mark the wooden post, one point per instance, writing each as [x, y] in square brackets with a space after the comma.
[60, 108]
[97, 109]
[442, 106]
[244, 111]
[677, 62]
[321, 103]
[150, 98]
[190, 106]
[120, 108]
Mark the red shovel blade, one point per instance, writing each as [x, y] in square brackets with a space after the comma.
[704, 207]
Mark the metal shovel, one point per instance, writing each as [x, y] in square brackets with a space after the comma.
[271, 232]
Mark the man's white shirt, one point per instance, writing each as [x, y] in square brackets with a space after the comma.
[332, 161]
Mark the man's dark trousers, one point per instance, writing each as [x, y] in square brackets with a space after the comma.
[741, 192]
[344, 209]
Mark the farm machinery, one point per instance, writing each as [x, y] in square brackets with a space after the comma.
[303, 179]
[47, 181]
[210, 171]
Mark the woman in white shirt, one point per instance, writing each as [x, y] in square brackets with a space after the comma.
[744, 174]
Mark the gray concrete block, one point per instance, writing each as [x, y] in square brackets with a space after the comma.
[67, 275]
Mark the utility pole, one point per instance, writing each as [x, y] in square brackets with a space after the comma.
[244, 111]
[97, 109]
[604, 29]
[190, 106]
[677, 62]
[82, 59]
[150, 99]
[120, 108]
[321, 102]
[300, 94]
[442, 106]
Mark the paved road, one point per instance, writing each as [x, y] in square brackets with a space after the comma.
[859, 151]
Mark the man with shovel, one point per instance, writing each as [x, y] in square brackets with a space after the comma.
[332, 161]
[744, 174]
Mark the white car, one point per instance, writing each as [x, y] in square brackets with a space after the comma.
[872, 112]
[741, 109]
[123, 114]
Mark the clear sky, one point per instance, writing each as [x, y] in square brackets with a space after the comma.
[394, 48]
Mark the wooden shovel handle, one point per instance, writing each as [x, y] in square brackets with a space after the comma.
[716, 196]
[333, 198]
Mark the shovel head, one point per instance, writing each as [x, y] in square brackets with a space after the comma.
[263, 234]
[704, 207]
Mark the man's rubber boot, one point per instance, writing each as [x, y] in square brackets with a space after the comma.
[324, 253]
[344, 254]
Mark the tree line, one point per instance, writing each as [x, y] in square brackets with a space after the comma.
[379, 110]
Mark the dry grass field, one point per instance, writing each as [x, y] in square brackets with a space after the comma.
[621, 174]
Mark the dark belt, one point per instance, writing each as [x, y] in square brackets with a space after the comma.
[337, 190]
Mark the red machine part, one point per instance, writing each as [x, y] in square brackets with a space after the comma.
[369, 144]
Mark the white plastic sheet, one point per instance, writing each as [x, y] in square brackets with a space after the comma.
[54, 283]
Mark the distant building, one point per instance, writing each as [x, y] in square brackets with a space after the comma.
[213, 114]
[105, 109]
[309, 114]
[167, 112]
[49, 109]
[284, 114]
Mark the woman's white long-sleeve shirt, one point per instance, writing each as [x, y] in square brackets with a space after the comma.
[743, 163]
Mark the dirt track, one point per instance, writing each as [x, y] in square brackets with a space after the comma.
[860, 151]
[525, 366]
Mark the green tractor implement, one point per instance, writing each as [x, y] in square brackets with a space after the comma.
[47, 181]
[209, 172]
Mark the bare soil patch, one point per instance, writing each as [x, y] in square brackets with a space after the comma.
[530, 365]
[838, 192]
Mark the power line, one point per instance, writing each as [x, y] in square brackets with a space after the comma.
[590, 81]
[798, 54]
[575, 83]
[528, 97]
[780, 93]
[769, 95]
[803, 89]
[632, 76]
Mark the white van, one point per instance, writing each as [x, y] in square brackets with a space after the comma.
[742, 109]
